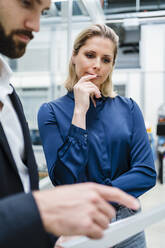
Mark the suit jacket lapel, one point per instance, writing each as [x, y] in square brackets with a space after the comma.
[5, 146]
[29, 155]
[19, 110]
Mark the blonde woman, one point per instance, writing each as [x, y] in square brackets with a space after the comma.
[93, 134]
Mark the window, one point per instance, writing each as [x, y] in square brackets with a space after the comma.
[13, 64]
[32, 99]
[35, 59]
[120, 89]
[128, 52]
[122, 6]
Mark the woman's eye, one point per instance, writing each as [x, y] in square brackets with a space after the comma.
[26, 2]
[89, 55]
[106, 61]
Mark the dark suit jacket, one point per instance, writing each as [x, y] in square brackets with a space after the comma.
[20, 223]
[10, 182]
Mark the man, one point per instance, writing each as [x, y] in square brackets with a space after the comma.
[27, 215]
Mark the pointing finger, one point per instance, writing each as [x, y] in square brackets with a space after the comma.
[117, 195]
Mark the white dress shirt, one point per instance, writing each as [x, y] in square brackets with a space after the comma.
[11, 124]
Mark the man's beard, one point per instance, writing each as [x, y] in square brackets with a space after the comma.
[11, 48]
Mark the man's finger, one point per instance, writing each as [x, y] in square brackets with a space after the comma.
[101, 220]
[114, 194]
[106, 209]
[96, 232]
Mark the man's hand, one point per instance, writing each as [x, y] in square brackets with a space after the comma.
[80, 209]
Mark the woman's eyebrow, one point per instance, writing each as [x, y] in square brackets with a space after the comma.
[41, 3]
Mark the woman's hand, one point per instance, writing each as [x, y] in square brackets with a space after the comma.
[83, 90]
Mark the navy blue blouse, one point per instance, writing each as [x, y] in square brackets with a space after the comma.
[113, 150]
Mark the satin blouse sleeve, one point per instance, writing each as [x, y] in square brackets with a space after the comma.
[142, 175]
[67, 158]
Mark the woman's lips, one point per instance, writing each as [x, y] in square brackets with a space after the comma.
[97, 76]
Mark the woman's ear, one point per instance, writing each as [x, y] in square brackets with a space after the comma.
[73, 59]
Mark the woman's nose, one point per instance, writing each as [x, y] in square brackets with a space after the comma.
[97, 63]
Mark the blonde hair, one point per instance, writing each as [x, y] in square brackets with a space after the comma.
[94, 30]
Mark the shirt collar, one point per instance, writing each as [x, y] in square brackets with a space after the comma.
[5, 75]
[71, 94]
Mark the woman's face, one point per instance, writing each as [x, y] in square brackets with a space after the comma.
[95, 57]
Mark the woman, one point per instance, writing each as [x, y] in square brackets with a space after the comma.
[92, 134]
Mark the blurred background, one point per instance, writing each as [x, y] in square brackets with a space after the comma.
[139, 72]
[140, 68]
